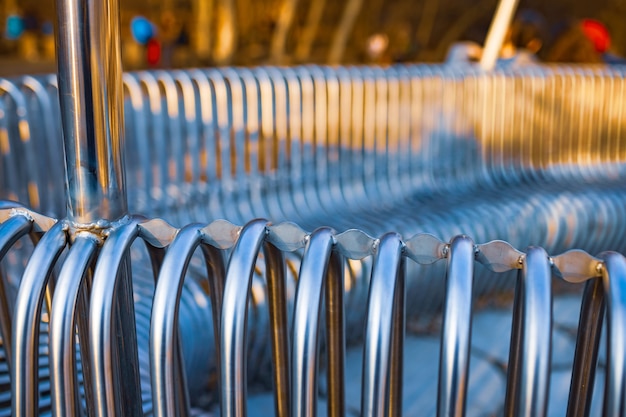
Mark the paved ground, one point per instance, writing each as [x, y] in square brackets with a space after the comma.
[490, 349]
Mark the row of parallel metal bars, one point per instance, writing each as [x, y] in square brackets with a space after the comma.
[533, 156]
[295, 350]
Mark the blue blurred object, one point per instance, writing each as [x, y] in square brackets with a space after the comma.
[15, 27]
[47, 28]
[142, 29]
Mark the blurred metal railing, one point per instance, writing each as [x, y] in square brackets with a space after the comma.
[295, 355]
[97, 323]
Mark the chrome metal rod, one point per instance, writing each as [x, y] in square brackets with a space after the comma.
[10, 232]
[456, 333]
[586, 355]
[396, 356]
[63, 320]
[335, 337]
[306, 316]
[529, 361]
[29, 304]
[614, 279]
[277, 300]
[379, 325]
[234, 319]
[90, 93]
[165, 360]
[116, 385]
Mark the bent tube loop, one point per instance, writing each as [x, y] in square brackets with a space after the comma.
[335, 336]
[165, 354]
[279, 329]
[587, 345]
[232, 343]
[10, 232]
[528, 379]
[456, 333]
[29, 305]
[306, 316]
[614, 281]
[286, 182]
[387, 277]
[63, 319]
[113, 346]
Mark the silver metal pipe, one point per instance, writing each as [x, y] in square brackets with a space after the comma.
[29, 305]
[66, 304]
[587, 346]
[116, 382]
[234, 319]
[614, 280]
[10, 232]
[90, 94]
[528, 379]
[165, 363]
[456, 333]
[165, 360]
[306, 317]
[378, 332]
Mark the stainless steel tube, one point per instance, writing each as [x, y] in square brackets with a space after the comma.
[63, 320]
[456, 334]
[10, 232]
[90, 93]
[386, 275]
[313, 272]
[29, 304]
[91, 103]
[232, 343]
[613, 278]
[115, 380]
[165, 345]
[587, 347]
[531, 346]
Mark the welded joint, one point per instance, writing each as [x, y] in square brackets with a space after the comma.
[40, 222]
[99, 230]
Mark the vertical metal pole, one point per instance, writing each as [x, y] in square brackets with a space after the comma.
[91, 99]
[90, 92]
[497, 32]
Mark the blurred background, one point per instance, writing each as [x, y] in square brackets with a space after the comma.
[184, 33]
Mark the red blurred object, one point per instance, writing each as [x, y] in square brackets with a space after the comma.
[153, 51]
[597, 33]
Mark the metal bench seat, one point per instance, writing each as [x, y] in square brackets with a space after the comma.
[112, 314]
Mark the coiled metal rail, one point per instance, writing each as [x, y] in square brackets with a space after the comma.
[534, 156]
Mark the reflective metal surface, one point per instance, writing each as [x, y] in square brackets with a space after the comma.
[178, 311]
[90, 93]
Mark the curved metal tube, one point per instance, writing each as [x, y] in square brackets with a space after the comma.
[29, 304]
[10, 232]
[165, 351]
[387, 277]
[528, 379]
[112, 336]
[370, 138]
[234, 319]
[336, 336]
[55, 202]
[614, 280]
[587, 346]
[279, 328]
[63, 317]
[306, 316]
[456, 333]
